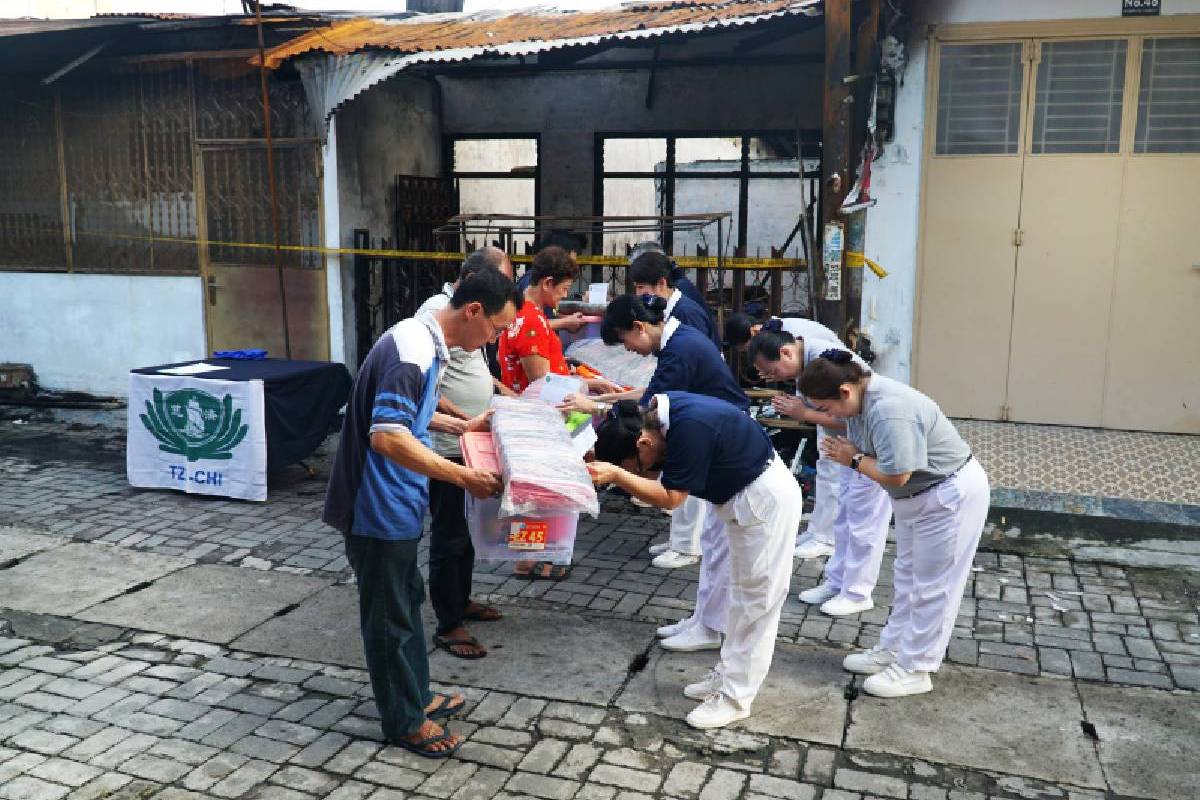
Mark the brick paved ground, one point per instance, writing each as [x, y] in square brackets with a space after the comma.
[89, 711]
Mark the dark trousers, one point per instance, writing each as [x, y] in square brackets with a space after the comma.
[451, 555]
[390, 593]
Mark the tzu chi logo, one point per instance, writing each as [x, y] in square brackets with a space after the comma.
[194, 424]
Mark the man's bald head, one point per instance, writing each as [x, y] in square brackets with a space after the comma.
[488, 257]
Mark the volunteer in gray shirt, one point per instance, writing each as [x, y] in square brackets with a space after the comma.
[900, 439]
[465, 391]
[851, 510]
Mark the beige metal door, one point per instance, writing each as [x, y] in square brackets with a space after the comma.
[1070, 212]
[972, 197]
[1098, 324]
[1154, 341]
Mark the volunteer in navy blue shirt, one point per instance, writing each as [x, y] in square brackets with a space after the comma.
[678, 277]
[652, 273]
[691, 445]
[688, 362]
[379, 491]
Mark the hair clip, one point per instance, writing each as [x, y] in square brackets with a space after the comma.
[837, 356]
[774, 325]
[648, 300]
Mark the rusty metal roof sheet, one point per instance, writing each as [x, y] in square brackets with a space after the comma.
[460, 37]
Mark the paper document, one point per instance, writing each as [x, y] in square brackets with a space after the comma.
[583, 439]
[555, 388]
[597, 294]
[191, 369]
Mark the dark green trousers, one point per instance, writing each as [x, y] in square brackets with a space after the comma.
[390, 593]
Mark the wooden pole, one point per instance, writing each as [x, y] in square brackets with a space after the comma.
[835, 158]
[866, 62]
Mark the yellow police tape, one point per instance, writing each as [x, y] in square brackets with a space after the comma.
[690, 262]
[859, 259]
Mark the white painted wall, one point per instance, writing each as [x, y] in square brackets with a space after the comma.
[85, 332]
[893, 225]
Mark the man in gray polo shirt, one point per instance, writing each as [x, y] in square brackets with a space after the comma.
[465, 391]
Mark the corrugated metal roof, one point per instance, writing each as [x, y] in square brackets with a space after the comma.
[460, 37]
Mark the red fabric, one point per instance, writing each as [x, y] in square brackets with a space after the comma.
[529, 335]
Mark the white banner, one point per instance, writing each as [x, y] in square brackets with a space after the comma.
[197, 435]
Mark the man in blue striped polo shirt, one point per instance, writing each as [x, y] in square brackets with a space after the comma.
[379, 491]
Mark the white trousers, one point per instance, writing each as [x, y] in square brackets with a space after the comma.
[761, 522]
[860, 535]
[937, 533]
[687, 522]
[826, 494]
[712, 594]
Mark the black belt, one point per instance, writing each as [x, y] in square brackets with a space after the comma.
[920, 492]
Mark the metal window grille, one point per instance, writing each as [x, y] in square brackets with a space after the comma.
[31, 233]
[979, 99]
[1169, 97]
[1077, 107]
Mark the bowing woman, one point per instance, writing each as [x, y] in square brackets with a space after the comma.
[900, 439]
[687, 362]
[689, 445]
[851, 510]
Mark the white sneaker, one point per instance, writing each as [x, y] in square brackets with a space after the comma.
[818, 594]
[673, 559]
[814, 548]
[869, 662]
[716, 711]
[842, 606]
[896, 681]
[696, 637]
[660, 548]
[709, 684]
[675, 628]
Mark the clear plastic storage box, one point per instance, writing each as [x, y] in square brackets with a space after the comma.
[497, 538]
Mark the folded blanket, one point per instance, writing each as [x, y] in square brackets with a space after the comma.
[543, 474]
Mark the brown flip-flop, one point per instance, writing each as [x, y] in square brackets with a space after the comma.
[545, 571]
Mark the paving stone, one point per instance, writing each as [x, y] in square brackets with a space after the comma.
[106, 785]
[243, 779]
[68, 687]
[266, 749]
[858, 781]
[184, 751]
[543, 786]
[785, 763]
[321, 750]
[352, 757]
[206, 775]
[124, 750]
[153, 768]
[580, 759]
[1136, 678]
[724, 784]
[26, 788]
[61, 770]
[305, 780]
[818, 765]
[42, 742]
[490, 756]
[543, 756]
[685, 779]
[390, 775]
[563, 729]
[781, 787]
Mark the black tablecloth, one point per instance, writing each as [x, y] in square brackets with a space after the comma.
[300, 398]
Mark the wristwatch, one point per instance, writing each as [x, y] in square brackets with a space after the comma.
[856, 460]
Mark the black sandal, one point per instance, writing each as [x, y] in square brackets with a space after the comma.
[447, 709]
[421, 748]
[545, 571]
[478, 612]
[443, 643]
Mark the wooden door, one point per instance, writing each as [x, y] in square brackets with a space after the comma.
[242, 292]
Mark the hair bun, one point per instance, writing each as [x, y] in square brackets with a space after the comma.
[654, 303]
[774, 325]
[837, 356]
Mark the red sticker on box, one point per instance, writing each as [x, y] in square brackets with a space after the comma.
[528, 535]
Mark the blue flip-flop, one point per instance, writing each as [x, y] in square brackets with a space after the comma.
[421, 747]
